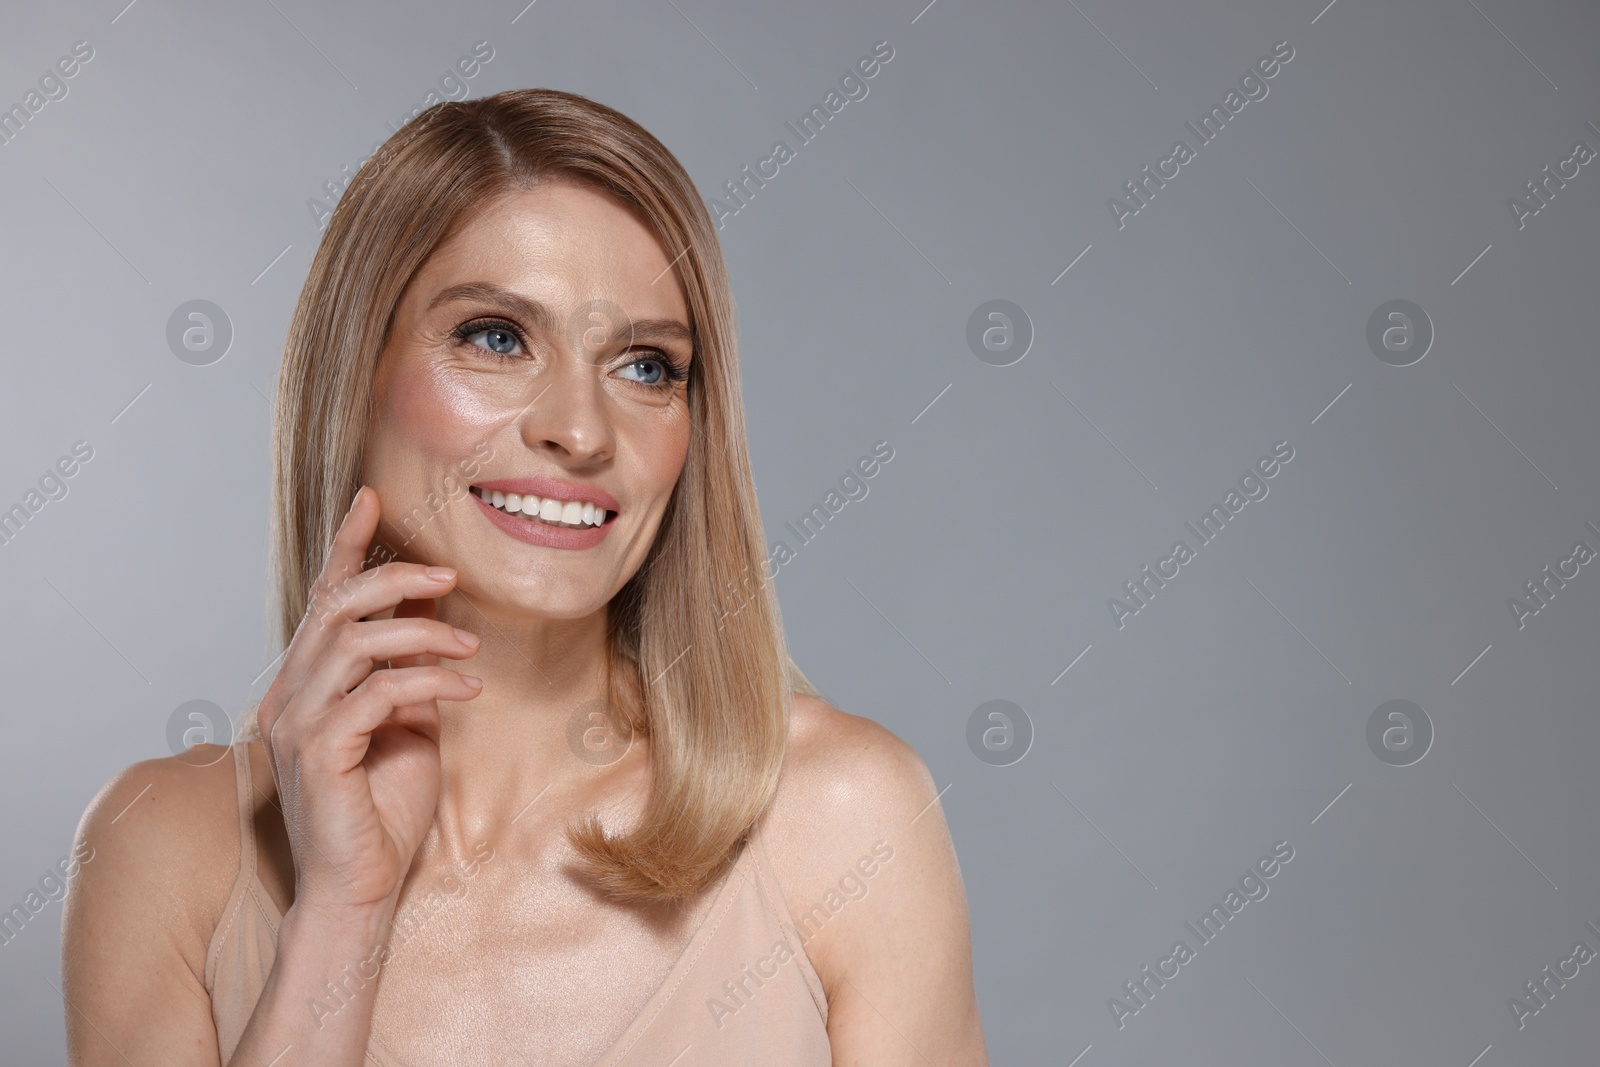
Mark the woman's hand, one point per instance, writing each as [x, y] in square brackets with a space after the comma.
[355, 750]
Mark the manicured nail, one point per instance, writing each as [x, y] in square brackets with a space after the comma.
[468, 639]
[441, 574]
[473, 681]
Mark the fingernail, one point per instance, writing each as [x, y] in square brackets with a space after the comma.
[441, 574]
[468, 639]
[473, 681]
[356, 499]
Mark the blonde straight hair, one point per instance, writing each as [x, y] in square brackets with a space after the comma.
[697, 627]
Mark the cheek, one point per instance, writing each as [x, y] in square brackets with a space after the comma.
[437, 413]
[425, 423]
[665, 461]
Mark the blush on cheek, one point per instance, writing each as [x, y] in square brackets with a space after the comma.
[427, 426]
[438, 413]
[675, 452]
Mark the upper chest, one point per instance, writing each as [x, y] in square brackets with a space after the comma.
[512, 963]
[505, 956]
[520, 970]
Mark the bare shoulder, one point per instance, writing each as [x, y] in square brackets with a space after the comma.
[858, 839]
[157, 847]
[845, 774]
[160, 843]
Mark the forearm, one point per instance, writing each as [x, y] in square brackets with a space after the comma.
[316, 1007]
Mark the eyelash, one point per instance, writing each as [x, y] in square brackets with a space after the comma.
[672, 371]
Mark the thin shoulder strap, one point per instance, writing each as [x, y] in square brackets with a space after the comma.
[776, 903]
[245, 879]
[758, 848]
[245, 796]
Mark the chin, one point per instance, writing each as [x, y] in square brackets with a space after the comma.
[534, 596]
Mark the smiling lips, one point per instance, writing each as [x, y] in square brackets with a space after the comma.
[576, 514]
[548, 512]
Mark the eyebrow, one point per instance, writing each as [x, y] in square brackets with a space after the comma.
[544, 318]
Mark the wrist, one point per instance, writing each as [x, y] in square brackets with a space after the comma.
[336, 926]
[319, 996]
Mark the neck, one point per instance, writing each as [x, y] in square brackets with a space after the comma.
[508, 769]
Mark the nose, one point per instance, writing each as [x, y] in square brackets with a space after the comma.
[569, 417]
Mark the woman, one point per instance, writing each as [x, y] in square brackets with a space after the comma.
[543, 787]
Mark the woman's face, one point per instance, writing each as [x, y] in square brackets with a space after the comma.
[539, 352]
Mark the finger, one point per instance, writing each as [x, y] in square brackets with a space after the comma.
[344, 561]
[420, 719]
[383, 693]
[368, 593]
[416, 609]
[348, 552]
[350, 656]
[327, 665]
[378, 589]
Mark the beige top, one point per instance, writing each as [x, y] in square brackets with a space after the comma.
[742, 991]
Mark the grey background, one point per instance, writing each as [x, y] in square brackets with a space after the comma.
[1229, 314]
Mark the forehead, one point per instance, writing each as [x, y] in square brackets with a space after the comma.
[561, 243]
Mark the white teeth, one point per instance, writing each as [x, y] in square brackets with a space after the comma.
[554, 512]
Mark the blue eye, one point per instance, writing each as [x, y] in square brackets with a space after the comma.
[502, 338]
[661, 372]
[670, 371]
[500, 341]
